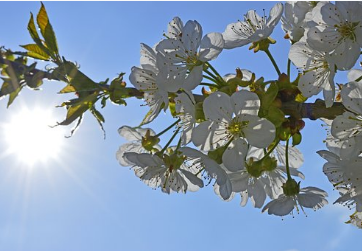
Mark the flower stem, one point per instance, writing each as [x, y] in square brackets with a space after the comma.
[210, 85]
[171, 139]
[212, 75]
[271, 150]
[168, 128]
[287, 159]
[209, 78]
[214, 70]
[273, 61]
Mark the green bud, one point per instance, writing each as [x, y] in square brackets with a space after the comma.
[296, 139]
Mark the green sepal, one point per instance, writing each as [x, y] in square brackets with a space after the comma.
[217, 154]
[276, 116]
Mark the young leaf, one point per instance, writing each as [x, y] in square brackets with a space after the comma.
[13, 95]
[100, 119]
[36, 52]
[34, 34]
[77, 79]
[46, 30]
[76, 109]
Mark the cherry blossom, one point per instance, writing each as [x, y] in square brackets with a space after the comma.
[254, 28]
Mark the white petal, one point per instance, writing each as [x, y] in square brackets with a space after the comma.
[193, 79]
[259, 132]
[257, 194]
[174, 28]
[275, 14]
[329, 94]
[211, 46]
[148, 58]
[245, 102]
[233, 39]
[192, 178]
[354, 74]
[234, 156]
[225, 190]
[128, 147]
[281, 206]
[311, 200]
[217, 107]
[207, 136]
[191, 36]
[352, 96]
[343, 127]
[346, 54]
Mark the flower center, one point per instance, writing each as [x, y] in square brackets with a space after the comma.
[236, 127]
[347, 30]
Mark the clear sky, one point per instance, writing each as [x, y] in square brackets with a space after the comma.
[84, 200]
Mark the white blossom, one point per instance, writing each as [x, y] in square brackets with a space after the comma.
[187, 51]
[152, 81]
[294, 19]
[338, 30]
[318, 71]
[308, 197]
[348, 126]
[170, 173]
[134, 135]
[214, 170]
[258, 182]
[233, 120]
[253, 29]
[356, 219]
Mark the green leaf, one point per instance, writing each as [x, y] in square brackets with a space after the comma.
[97, 115]
[36, 52]
[9, 86]
[67, 89]
[78, 107]
[34, 34]
[46, 30]
[103, 102]
[100, 119]
[75, 127]
[13, 95]
[32, 30]
[77, 79]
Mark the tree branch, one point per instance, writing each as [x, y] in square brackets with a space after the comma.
[312, 111]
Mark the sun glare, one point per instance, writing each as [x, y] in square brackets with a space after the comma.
[30, 137]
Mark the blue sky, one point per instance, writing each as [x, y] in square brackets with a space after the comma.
[85, 200]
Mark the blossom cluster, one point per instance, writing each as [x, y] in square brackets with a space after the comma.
[232, 132]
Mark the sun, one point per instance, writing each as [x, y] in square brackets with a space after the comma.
[30, 137]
